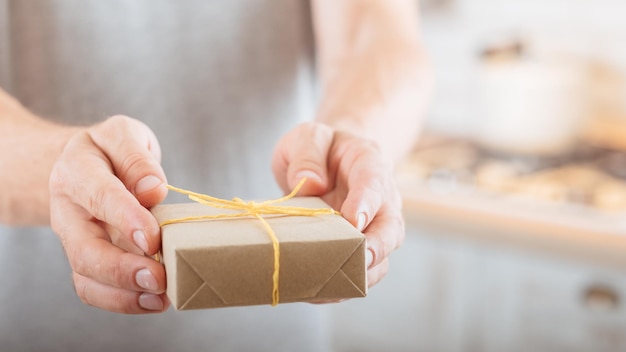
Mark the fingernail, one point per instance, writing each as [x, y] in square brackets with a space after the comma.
[369, 257]
[361, 221]
[146, 280]
[147, 183]
[310, 176]
[140, 240]
[150, 301]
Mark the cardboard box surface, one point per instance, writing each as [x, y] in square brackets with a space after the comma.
[229, 262]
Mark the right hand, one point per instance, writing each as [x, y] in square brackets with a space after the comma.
[100, 188]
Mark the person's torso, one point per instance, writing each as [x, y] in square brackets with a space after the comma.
[218, 82]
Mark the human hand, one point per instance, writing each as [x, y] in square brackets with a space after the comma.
[100, 187]
[351, 174]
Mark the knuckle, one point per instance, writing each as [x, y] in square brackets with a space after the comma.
[383, 250]
[125, 123]
[57, 179]
[319, 130]
[314, 131]
[118, 273]
[70, 249]
[383, 267]
[111, 127]
[114, 272]
[131, 162]
[118, 120]
[67, 173]
[104, 204]
[308, 126]
[128, 305]
[378, 247]
[80, 286]
[66, 248]
[386, 243]
[376, 274]
[374, 176]
[59, 229]
[96, 200]
[400, 226]
[78, 260]
[375, 184]
[366, 146]
[115, 300]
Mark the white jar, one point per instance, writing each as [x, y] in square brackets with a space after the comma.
[529, 106]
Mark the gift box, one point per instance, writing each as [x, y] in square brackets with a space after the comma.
[231, 261]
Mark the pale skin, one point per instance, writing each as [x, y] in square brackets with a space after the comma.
[94, 184]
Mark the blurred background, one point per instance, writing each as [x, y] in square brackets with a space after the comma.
[515, 197]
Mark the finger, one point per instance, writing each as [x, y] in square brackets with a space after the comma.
[106, 263]
[368, 182]
[84, 176]
[385, 234]
[118, 300]
[135, 156]
[91, 254]
[119, 240]
[375, 274]
[303, 153]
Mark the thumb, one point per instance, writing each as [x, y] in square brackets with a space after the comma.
[135, 156]
[303, 152]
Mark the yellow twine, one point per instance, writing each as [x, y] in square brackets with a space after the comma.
[255, 210]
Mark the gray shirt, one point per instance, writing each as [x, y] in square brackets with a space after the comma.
[219, 83]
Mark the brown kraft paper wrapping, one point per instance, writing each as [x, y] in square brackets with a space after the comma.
[229, 262]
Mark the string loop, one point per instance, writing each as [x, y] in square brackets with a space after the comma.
[256, 210]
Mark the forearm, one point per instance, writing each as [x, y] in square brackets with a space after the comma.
[29, 146]
[375, 75]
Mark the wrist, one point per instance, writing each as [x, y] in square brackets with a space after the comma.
[35, 145]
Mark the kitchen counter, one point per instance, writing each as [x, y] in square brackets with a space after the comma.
[573, 205]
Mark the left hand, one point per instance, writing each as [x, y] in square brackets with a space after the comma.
[351, 174]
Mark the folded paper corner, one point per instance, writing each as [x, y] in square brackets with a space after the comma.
[193, 292]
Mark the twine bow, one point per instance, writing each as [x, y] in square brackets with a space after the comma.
[252, 209]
